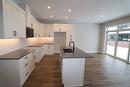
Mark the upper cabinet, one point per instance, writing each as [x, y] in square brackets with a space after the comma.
[33, 23]
[12, 20]
[41, 29]
[48, 30]
[59, 27]
[29, 20]
[37, 29]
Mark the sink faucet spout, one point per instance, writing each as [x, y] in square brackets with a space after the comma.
[73, 45]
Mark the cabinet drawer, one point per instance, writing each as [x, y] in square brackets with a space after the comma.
[27, 59]
[27, 73]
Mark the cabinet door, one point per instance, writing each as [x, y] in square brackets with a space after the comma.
[32, 61]
[22, 71]
[36, 32]
[29, 20]
[42, 51]
[48, 29]
[59, 28]
[46, 50]
[51, 49]
[37, 54]
[14, 20]
[41, 30]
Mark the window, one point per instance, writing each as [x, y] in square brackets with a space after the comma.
[125, 26]
[112, 28]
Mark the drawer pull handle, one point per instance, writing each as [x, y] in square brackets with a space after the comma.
[27, 73]
[14, 33]
[26, 57]
[26, 64]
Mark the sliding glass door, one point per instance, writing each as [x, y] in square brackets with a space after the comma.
[123, 44]
[118, 41]
[111, 43]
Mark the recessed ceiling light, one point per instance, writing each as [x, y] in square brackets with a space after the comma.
[69, 10]
[49, 7]
[66, 17]
[51, 16]
[101, 16]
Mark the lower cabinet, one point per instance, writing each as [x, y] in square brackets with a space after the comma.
[49, 49]
[73, 72]
[39, 52]
[15, 72]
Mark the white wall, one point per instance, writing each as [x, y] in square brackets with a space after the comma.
[86, 36]
[119, 21]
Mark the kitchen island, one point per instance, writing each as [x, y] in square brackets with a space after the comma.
[73, 67]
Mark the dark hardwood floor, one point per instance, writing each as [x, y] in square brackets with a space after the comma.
[105, 71]
[101, 71]
[46, 74]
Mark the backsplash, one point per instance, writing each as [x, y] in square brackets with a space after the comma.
[46, 40]
[7, 45]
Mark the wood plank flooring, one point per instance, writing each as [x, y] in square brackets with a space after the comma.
[101, 71]
[105, 71]
[46, 74]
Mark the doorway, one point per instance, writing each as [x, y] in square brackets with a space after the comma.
[59, 40]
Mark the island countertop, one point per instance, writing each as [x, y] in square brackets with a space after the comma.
[17, 54]
[78, 53]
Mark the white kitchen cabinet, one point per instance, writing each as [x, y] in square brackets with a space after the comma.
[46, 49]
[73, 72]
[29, 20]
[39, 52]
[37, 29]
[14, 73]
[27, 65]
[42, 51]
[48, 30]
[32, 61]
[41, 29]
[49, 49]
[13, 20]
[33, 23]
[59, 28]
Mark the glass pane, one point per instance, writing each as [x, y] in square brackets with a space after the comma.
[111, 38]
[125, 26]
[112, 28]
[123, 44]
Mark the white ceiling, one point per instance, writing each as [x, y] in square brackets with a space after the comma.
[83, 11]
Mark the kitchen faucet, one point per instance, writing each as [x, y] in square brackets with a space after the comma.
[73, 45]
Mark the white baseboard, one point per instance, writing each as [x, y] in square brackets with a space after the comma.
[94, 52]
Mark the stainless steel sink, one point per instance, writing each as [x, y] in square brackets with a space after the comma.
[68, 50]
